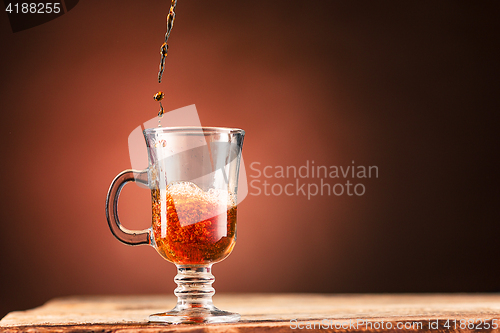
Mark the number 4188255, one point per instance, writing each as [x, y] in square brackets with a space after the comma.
[477, 324]
[34, 8]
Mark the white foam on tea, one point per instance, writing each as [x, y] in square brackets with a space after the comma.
[219, 201]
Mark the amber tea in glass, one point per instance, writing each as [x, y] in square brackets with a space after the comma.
[193, 177]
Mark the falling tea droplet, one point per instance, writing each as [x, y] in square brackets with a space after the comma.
[161, 112]
[170, 19]
[159, 96]
[164, 50]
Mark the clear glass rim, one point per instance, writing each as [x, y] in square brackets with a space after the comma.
[194, 130]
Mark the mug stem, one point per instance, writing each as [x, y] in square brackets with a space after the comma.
[194, 286]
[194, 298]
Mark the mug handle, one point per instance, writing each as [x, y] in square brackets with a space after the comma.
[124, 235]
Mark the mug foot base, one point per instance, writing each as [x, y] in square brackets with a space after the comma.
[195, 316]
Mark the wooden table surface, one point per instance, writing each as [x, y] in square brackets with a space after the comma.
[270, 313]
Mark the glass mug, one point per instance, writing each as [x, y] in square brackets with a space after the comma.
[193, 178]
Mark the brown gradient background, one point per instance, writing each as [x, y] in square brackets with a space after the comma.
[411, 87]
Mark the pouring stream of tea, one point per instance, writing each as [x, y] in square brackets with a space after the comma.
[163, 52]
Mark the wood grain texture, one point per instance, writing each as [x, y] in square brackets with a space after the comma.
[268, 313]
